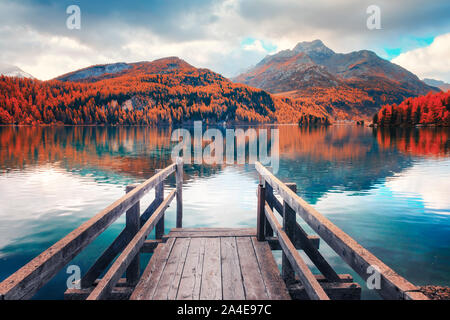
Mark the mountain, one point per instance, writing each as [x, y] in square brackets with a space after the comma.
[348, 85]
[437, 83]
[13, 71]
[167, 90]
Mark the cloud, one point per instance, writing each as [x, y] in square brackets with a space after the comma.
[429, 62]
[206, 33]
[428, 182]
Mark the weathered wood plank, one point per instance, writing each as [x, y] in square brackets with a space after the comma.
[211, 287]
[106, 258]
[118, 293]
[251, 274]
[275, 245]
[269, 194]
[312, 287]
[27, 280]
[159, 197]
[342, 278]
[170, 279]
[232, 286]
[133, 225]
[133, 248]
[211, 229]
[149, 246]
[299, 232]
[287, 271]
[393, 286]
[261, 217]
[192, 274]
[302, 241]
[212, 234]
[179, 188]
[275, 286]
[334, 290]
[149, 211]
[150, 277]
[121, 291]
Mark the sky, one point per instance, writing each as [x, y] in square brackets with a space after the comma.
[227, 36]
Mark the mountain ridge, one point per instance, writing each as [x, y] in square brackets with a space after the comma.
[313, 71]
[167, 90]
[10, 70]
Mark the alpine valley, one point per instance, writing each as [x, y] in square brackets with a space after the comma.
[309, 83]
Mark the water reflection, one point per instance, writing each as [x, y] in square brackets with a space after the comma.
[382, 187]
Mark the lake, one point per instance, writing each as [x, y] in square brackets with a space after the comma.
[388, 189]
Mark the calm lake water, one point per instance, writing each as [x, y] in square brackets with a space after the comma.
[389, 190]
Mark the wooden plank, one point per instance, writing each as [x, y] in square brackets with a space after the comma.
[269, 194]
[213, 234]
[170, 279]
[106, 258]
[287, 271]
[335, 290]
[300, 234]
[393, 286]
[24, 283]
[159, 197]
[261, 217]
[275, 245]
[211, 286]
[150, 277]
[192, 274]
[232, 286]
[121, 291]
[179, 187]
[133, 225]
[302, 240]
[149, 246]
[211, 229]
[275, 286]
[312, 287]
[342, 278]
[119, 266]
[251, 274]
[118, 293]
[149, 211]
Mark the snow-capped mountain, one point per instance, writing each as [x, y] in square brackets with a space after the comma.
[13, 71]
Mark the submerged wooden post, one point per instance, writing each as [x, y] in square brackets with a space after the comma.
[159, 197]
[133, 225]
[268, 196]
[289, 223]
[261, 218]
[179, 184]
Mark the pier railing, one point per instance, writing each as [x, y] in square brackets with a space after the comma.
[291, 236]
[24, 283]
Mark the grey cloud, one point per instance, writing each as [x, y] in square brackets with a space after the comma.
[108, 26]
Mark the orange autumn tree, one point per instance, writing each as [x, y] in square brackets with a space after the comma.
[164, 91]
[432, 109]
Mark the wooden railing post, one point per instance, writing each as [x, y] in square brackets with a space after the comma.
[261, 218]
[159, 197]
[179, 184]
[269, 194]
[289, 223]
[133, 225]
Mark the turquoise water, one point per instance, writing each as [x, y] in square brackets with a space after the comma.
[388, 190]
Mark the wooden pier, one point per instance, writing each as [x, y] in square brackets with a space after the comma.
[210, 263]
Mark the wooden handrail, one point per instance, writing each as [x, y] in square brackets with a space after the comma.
[312, 286]
[105, 286]
[24, 283]
[306, 244]
[393, 286]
